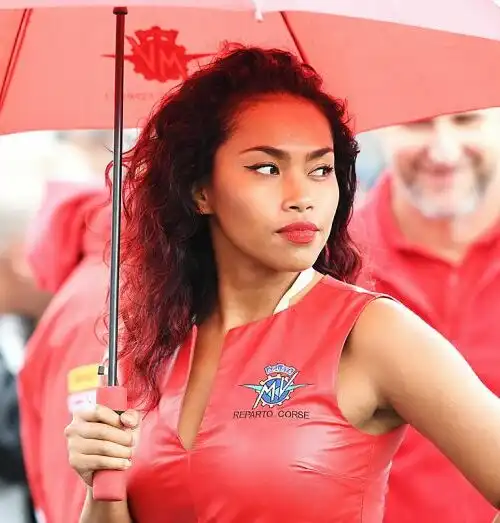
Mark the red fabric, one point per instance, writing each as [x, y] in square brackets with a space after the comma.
[387, 71]
[462, 302]
[297, 460]
[68, 258]
[65, 231]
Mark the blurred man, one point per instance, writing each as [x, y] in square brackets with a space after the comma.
[430, 235]
[30, 161]
[60, 374]
[21, 304]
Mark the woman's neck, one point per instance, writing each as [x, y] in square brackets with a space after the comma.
[247, 290]
[245, 295]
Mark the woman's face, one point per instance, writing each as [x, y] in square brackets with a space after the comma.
[273, 193]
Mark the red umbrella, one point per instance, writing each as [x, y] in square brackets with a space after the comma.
[392, 62]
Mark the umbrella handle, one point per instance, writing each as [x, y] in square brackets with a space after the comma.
[110, 485]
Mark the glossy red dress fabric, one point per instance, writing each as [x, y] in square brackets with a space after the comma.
[273, 444]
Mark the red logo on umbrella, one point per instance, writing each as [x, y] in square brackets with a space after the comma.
[156, 55]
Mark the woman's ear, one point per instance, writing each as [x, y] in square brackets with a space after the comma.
[202, 201]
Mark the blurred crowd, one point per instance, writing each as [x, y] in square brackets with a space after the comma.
[427, 223]
[36, 168]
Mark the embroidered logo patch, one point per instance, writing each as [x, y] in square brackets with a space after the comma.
[276, 388]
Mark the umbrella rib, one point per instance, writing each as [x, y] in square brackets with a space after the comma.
[14, 55]
[298, 45]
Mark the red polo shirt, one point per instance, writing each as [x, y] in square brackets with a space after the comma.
[60, 373]
[463, 303]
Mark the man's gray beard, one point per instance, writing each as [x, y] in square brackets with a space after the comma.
[435, 211]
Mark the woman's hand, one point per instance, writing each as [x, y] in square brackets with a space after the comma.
[100, 439]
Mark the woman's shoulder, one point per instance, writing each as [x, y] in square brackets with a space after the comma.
[385, 325]
[344, 301]
[337, 286]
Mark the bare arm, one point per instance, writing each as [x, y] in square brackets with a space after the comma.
[429, 385]
[104, 512]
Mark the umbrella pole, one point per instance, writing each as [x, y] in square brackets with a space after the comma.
[110, 485]
[120, 13]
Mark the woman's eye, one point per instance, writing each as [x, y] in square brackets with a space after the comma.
[265, 168]
[323, 171]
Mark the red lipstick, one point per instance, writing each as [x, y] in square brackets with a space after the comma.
[299, 232]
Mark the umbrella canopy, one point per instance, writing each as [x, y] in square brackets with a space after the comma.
[392, 62]
[470, 17]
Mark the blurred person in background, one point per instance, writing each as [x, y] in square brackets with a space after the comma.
[430, 236]
[66, 253]
[33, 160]
[21, 304]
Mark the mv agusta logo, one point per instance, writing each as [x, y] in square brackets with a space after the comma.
[274, 391]
[156, 55]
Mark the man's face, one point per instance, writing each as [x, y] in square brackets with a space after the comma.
[445, 165]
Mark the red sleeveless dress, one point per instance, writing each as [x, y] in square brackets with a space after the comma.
[273, 444]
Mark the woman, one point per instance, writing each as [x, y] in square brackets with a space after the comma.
[273, 388]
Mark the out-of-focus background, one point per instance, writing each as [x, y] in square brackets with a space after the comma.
[30, 164]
